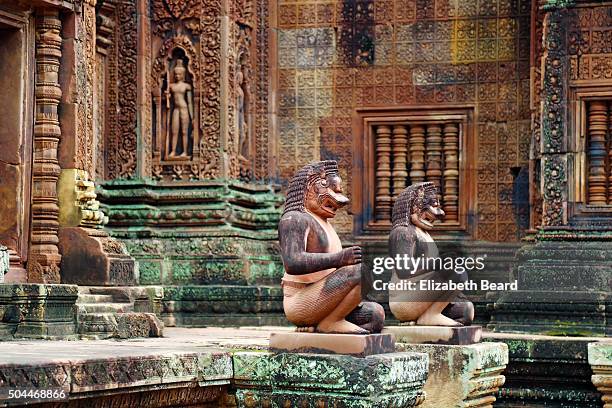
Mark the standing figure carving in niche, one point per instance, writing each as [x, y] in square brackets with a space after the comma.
[322, 281]
[182, 111]
[414, 212]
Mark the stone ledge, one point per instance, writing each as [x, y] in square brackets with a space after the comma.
[356, 345]
[294, 379]
[462, 375]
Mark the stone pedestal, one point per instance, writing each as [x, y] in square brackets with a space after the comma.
[38, 311]
[435, 334]
[600, 359]
[355, 345]
[462, 376]
[313, 380]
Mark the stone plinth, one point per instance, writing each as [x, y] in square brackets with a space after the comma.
[349, 344]
[295, 380]
[37, 310]
[435, 334]
[462, 376]
[600, 359]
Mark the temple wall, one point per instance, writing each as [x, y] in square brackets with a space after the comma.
[336, 57]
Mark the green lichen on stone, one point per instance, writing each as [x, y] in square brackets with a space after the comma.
[150, 273]
[558, 4]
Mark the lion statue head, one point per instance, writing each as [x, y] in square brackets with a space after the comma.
[316, 188]
[418, 205]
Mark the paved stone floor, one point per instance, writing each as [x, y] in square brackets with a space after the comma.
[175, 340]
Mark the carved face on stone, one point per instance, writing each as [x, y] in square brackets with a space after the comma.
[179, 71]
[317, 188]
[418, 205]
[324, 196]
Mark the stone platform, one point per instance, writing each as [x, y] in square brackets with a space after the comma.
[356, 345]
[211, 367]
[435, 334]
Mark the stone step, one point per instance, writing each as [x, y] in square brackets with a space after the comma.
[89, 298]
[119, 325]
[105, 308]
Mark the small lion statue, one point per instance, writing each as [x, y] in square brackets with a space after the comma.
[414, 212]
[322, 281]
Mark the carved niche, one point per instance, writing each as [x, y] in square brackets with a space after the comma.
[175, 100]
[185, 89]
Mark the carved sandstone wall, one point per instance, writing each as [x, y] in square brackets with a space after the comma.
[337, 56]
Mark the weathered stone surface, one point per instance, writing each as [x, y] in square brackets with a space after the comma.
[564, 288]
[220, 305]
[435, 334]
[91, 257]
[130, 325]
[545, 369]
[348, 344]
[293, 379]
[600, 359]
[37, 310]
[462, 375]
[103, 372]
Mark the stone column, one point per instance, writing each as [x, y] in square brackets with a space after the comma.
[44, 258]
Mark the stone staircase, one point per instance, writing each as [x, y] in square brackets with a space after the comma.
[119, 312]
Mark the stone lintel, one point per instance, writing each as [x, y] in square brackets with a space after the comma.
[462, 375]
[357, 345]
[435, 334]
[298, 379]
[600, 359]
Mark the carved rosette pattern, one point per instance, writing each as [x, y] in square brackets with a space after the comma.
[555, 53]
[210, 113]
[554, 182]
[44, 259]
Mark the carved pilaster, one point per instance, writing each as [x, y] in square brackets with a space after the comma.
[451, 171]
[433, 148]
[400, 150]
[597, 127]
[554, 161]
[383, 173]
[44, 259]
[417, 154]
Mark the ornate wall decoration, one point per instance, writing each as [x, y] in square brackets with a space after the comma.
[262, 78]
[554, 187]
[44, 258]
[210, 114]
[121, 115]
[464, 53]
